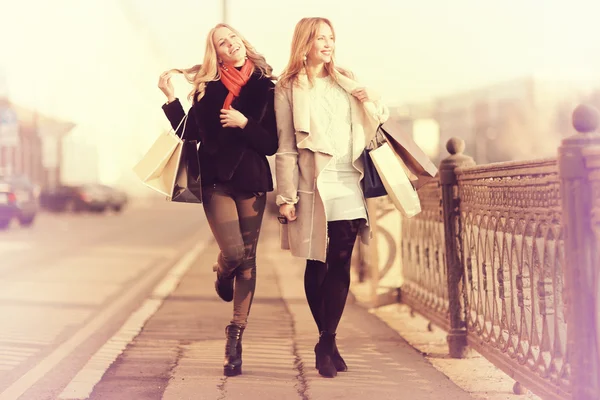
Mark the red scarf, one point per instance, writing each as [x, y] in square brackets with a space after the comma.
[234, 80]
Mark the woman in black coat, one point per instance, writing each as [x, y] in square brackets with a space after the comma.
[233, 118]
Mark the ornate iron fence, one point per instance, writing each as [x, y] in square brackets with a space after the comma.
[423, 255]
[513, 258]
[506, 257]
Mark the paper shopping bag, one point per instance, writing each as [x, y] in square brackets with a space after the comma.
[188, 186]
[421, 169]
[395, 179]
[371, 184]
[158, 168]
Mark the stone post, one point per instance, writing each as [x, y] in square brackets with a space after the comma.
[457, 337]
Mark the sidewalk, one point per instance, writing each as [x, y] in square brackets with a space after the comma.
[179, 353]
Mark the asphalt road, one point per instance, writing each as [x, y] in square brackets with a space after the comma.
[70, 281]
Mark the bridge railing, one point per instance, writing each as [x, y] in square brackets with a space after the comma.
[506, 258]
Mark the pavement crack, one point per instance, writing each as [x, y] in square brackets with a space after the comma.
[302, 384]
[169, 374]
[178, 357]
[222, 390]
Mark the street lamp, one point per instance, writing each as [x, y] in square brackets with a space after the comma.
[225, 16]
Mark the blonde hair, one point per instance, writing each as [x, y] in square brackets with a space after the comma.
[304, 35]
[208, 71]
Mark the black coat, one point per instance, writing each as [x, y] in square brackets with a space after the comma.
[232, 155]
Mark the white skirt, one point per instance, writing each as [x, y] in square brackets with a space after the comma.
[340, 190]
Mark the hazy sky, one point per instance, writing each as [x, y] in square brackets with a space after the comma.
[96, 62]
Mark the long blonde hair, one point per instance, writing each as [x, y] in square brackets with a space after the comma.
[208, 71]
[304, 35]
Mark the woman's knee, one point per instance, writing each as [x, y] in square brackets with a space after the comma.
[233, 256]
[247, 269]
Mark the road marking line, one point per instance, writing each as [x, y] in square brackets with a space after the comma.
[17, 350]
[41, 369]
[11, 339]
[11, 357]
[10, 362]
[83, 383]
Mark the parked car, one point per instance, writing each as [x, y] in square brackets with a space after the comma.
[75, 198]
[117, 199]
[17, 201]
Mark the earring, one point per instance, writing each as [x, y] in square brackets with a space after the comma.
[304, 59]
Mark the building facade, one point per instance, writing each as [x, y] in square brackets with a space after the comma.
[31, 143]
[515, 120]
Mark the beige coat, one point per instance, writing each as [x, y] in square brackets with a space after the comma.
[303, 154]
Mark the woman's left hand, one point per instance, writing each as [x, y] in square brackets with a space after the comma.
[364, 94]
[232, 118]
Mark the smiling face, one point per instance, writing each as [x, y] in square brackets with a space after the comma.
[323, 46]
[229, 47]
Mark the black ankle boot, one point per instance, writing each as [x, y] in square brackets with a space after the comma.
[324, 353]
[336, 358]
[232, 365]
[224, 284]
[239, 345]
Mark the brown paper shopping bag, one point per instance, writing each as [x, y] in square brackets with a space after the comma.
[158, 168]
[419, 166]
[393, 173]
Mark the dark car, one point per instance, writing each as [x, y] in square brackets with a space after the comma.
[117, 199]
[75, 198]
[17, 201]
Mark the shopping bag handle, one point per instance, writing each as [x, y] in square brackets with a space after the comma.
[184, 122]
[377, 140]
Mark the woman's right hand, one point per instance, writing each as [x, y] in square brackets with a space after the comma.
[288, 211]
[165, 85]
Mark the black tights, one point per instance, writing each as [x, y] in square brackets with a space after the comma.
[327, 284]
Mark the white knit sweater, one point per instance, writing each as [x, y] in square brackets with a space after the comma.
[330, 107]
[339, 182]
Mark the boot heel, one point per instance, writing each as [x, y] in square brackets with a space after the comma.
[317, 356]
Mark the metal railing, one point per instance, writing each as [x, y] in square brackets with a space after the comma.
[513, 258]
[423, 255]
[506, 258]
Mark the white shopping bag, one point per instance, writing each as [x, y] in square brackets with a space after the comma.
[393, 173]
[158, 168]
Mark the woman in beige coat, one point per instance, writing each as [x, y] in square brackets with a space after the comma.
[324, 121]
